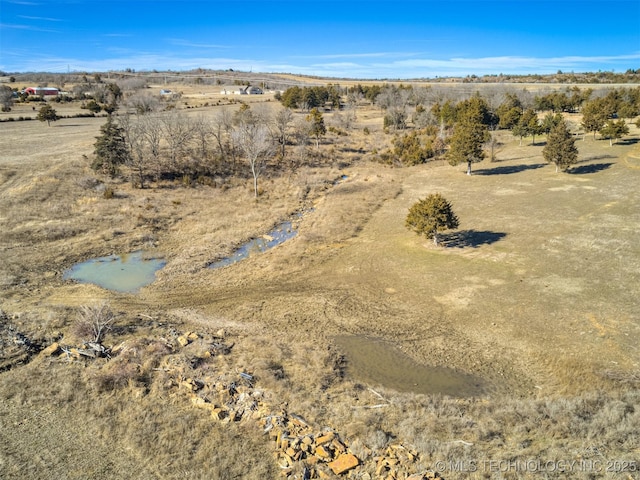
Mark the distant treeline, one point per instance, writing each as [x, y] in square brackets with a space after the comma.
[279, 82]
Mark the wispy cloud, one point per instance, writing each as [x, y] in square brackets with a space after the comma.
[356, 55]
[46, 19]
[188, 43]
[504, 64]
[139, 62]
[118, 35]
[358, 68]
[27, 27]
[336, 65]
[459, 66]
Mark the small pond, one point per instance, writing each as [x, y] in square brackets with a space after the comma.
[278, 235]
[379, 363]
[120, 273]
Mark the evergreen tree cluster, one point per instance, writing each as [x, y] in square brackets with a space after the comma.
[306, 98]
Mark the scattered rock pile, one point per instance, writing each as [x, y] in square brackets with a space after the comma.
[227, 399]
[16, 348]
[301, 451]
[85, 350]
[316, 453]
[398, 461]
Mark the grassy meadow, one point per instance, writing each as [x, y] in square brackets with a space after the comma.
[535, 295]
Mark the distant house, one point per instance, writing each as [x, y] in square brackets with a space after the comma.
[41, 91]
[166, 92]
[253, 90]
[249, 90]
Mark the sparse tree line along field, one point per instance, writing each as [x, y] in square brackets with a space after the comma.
[203, 76]
[421, 127]
[155, 140]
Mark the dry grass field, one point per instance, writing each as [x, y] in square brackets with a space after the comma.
[535, 297]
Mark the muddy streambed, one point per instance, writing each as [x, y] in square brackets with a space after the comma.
[376, 362]
[280, 234]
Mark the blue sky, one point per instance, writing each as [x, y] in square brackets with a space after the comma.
[357, 39]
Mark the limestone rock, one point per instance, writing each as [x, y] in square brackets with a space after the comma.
[51, 349]
[322, 452]
[290, 451]
[338, 446]
[326, 438]
[343, 463]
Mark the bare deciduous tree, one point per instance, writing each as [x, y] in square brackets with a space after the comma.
[94, 321]
[6, 98]
[302, 135]
[142, 103]
[134, 137]
[222, 125]
[345, 120]
[202, 132]
[254, 140]
[282, 121]
[132, 84]
[151, 130]
[354, 98]
[178, 131]
[261, 113]
[394, 102]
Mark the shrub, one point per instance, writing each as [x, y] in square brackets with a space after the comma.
[93, 322]
[431, 215]
[410, 150]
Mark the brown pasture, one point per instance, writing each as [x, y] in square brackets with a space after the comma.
[536, 294]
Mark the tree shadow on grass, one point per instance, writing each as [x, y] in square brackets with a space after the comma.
[595, 157]
[592, 168]
[626, 141]
[507, 169]
[470, 238]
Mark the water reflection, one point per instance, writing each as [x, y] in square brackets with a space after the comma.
[278, 235]
[121, 273]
